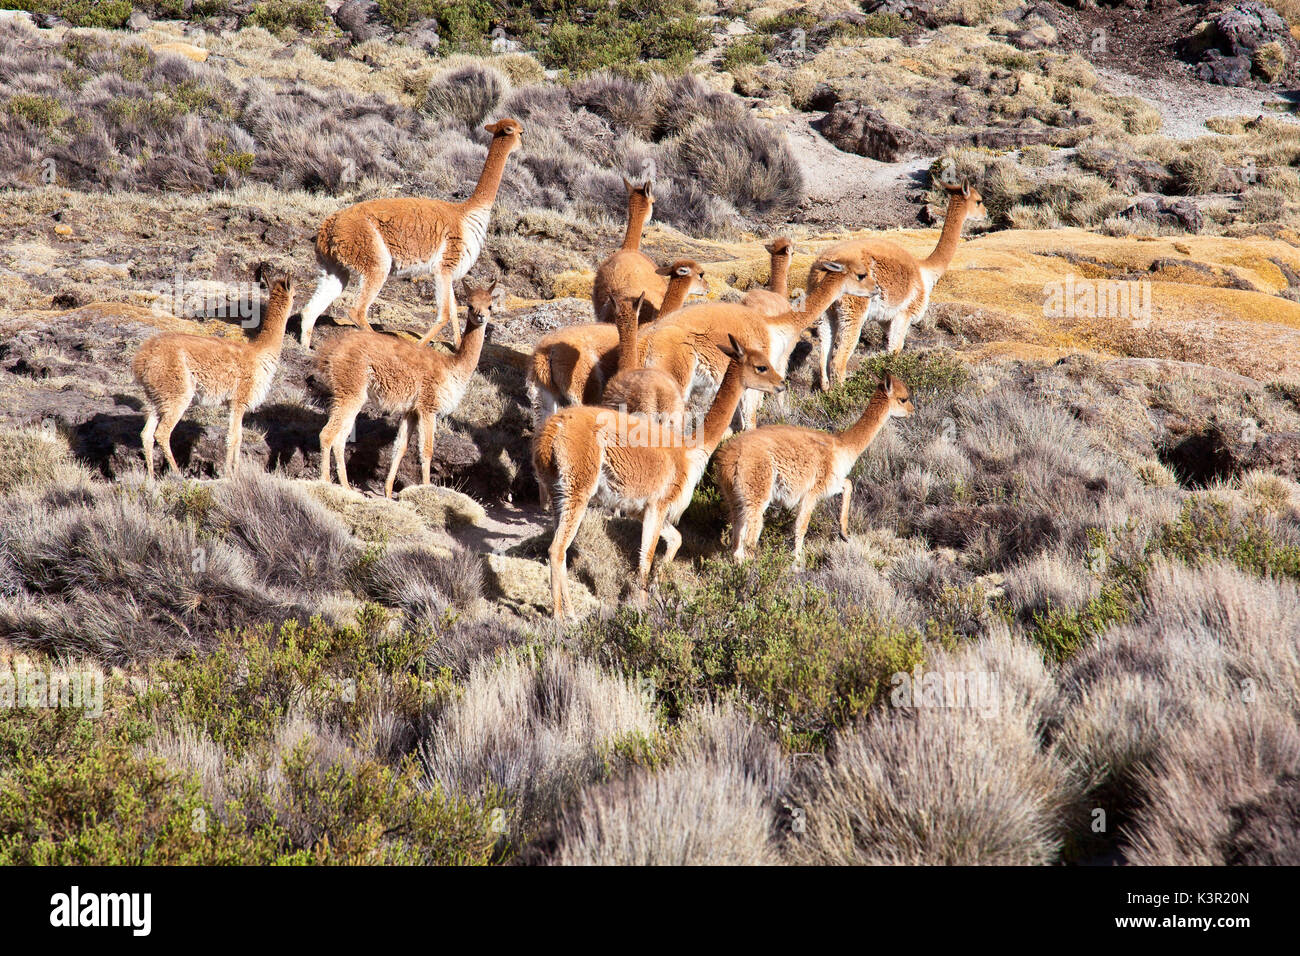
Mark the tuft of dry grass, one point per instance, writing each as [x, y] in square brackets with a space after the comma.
[537, 728]
[937, 784]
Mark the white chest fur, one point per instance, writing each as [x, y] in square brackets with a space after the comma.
[473, 231]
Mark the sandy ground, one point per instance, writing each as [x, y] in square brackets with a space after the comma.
[1186, 106]
[844, 190]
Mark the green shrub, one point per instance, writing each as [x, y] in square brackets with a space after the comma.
[779, 644]
[76, 791]
[42, 111]
[104, 14]
[1207, 530]
[933, 372]
[339, 675]
[745, 51]
[278, 16]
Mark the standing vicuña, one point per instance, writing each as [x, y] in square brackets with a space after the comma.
[686, 345]
[409, 236]
[645, 391]
[586, 453]
[906, 284]
[174, 367]
[798, 467]
[629, 272]
[774, 299]
[415, 382]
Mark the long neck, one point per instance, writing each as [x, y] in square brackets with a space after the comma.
[627, 351]
[721, 411]
[675, 296]
[271, 336]
[864, 431]
[485, 193]
[778, 282]
[638, 214]
[819, 300]
[937, 261]
[471, 347]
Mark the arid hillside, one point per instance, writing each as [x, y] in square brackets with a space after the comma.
[1069, 591]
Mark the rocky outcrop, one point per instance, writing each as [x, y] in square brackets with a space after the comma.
[857, 128]
[1244, 41]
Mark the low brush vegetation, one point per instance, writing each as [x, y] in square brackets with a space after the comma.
[1071, 579]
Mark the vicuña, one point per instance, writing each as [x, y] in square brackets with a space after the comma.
[570, 366]
[174, 367]
[578, 457]
[775, 298]
[906, 284]
[798, 467]
[416, 382]
[408, 236]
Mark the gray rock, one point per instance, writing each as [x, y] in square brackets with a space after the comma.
[360, 20]
[138, 20]
[854, 127]
[424, 36]
[1224, 70]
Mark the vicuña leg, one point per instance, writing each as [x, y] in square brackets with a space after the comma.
[374, 273]
[846, 495]
[147, 437]
[652, 523]
[399, 450]
[167, 422]
[234, 438]
[902, 322]
[428, 427]
[853, 315]
[334, 436]
[572, 507]
[801, 528]
[444, 289]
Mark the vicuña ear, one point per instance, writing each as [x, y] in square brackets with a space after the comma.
[888, 384]
[649, 189]
[496, 291]
[833, 266]
[682, 271]
[965, 190]
[627, 184]
[735, 351]
[664, 271]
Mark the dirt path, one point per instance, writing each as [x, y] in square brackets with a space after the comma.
[1186, 106]
[847, 191]
[505, 527]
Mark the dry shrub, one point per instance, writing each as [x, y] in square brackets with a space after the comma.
[695, 813]
[536, 728]
[714, 806]
[468, 95]
[294, 541]
[1234, 755]
[940, 785]
[108, 577]
[421, 583]
[1214, 651]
